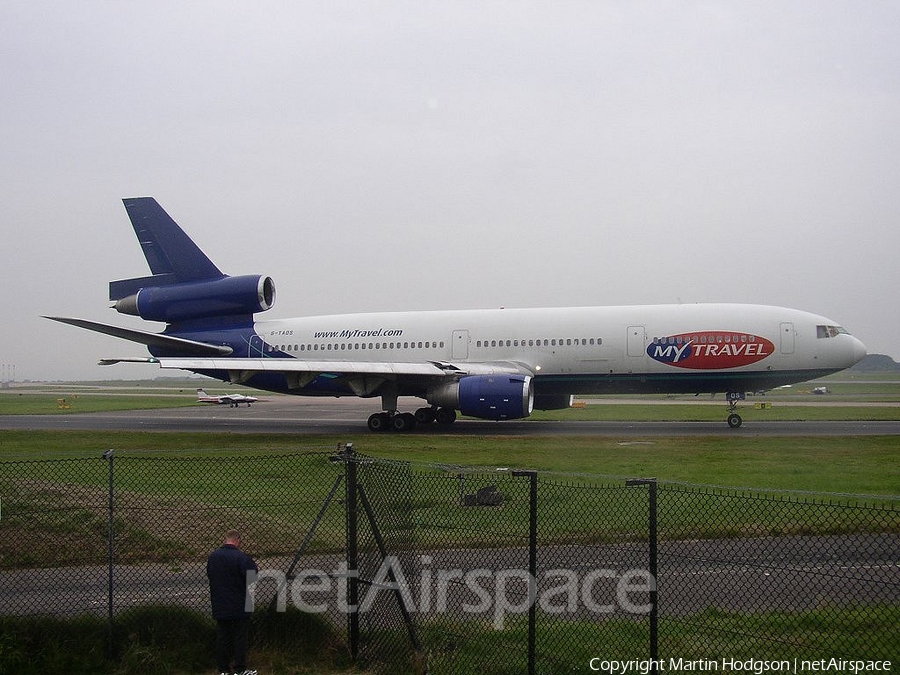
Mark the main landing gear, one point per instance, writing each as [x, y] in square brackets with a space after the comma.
[401, 422]
[734, 420]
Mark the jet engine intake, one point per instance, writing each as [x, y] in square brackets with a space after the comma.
[490, 397]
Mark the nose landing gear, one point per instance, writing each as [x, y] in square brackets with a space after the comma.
[734, 420]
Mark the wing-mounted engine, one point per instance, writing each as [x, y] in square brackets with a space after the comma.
[491, 397]
[171, 303]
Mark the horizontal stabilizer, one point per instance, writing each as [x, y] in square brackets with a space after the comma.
[186, 347]
[125, 287]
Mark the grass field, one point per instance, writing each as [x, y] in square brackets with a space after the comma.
[858, 465]
[69, 399]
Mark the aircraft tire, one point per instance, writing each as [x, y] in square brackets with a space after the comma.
[403, 422]
[734, 420]
[379, 422]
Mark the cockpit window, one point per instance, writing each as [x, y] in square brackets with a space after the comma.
[830, 331]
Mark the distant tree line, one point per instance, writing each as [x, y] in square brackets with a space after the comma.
[877, 363]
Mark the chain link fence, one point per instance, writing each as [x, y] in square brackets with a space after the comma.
[446, 569]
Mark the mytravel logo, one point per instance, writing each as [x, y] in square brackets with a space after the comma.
[710, 349]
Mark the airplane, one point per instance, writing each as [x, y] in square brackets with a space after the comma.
[495, 364]
[233, 400]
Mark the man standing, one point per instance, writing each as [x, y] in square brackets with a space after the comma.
[227, 569]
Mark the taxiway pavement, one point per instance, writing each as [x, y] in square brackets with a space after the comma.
[347, 416]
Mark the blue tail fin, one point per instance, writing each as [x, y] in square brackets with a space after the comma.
[186, 286]
[173, 257]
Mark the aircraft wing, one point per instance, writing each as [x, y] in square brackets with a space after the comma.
[435, 369]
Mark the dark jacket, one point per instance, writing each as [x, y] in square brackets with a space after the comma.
[227, 569]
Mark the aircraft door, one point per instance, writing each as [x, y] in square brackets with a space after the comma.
[256, 347]
[787, 338]
[459, 344]
[637, 338]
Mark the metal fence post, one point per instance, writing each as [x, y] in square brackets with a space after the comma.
[532, 565]
[652, 555]
[352, 552]
[108, 456]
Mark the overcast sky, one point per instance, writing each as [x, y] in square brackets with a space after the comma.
[416, 155]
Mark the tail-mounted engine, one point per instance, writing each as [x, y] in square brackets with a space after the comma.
[226, 296]
[491, 397]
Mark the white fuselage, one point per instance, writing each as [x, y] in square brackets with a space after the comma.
[586, 349]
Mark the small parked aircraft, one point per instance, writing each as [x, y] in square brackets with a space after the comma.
[233, 400]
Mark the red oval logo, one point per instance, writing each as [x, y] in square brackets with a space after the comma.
[710, 349]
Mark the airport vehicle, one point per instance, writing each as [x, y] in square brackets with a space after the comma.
[233, 400]
[493, 364]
